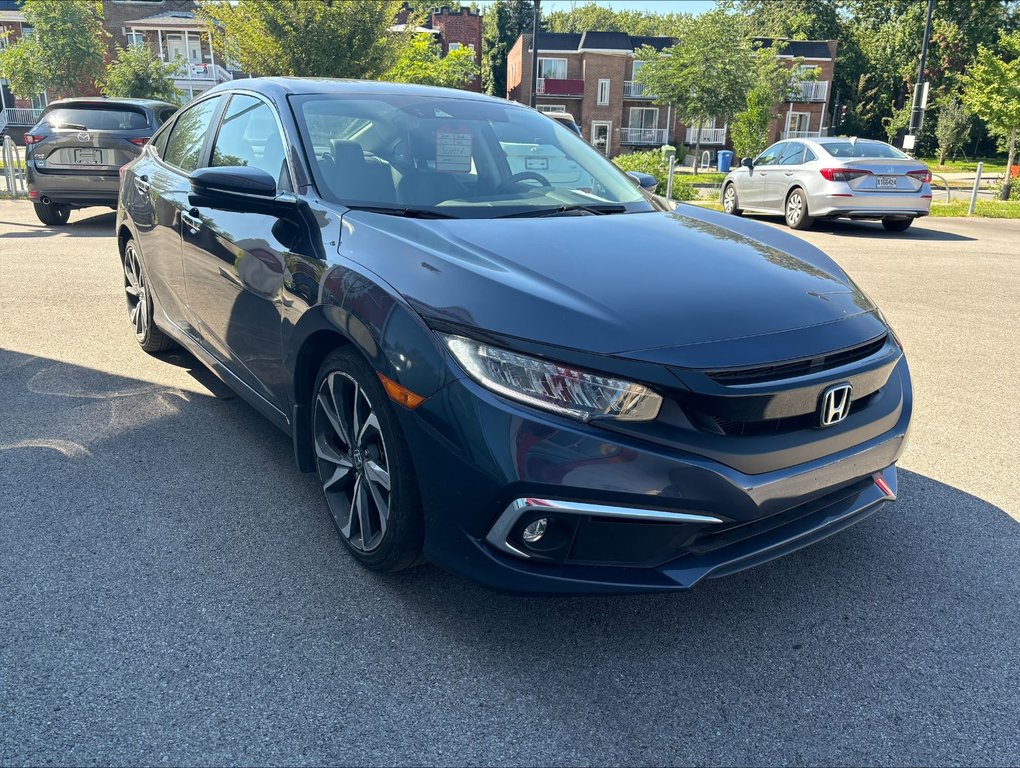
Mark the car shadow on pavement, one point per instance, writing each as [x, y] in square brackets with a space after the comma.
[86, 223]
[168, 574]
[874, 230]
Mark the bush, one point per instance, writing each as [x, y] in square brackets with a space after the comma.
[654, 163]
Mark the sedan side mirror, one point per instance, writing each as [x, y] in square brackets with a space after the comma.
[644, 180]
[233, 186]
[748, 163]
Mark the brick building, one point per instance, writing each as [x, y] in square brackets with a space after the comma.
[591, 75]
[453, 28]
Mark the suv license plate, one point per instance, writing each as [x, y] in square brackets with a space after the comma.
[88, 157]
[886, 181]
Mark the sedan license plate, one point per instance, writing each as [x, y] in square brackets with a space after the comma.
[88, 157]
[886, 182]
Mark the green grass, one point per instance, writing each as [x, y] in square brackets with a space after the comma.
[992, 165]
[702, 178]
[987, 209]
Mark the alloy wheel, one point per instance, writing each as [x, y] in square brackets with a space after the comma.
[729, 199]
[134, 288]
[794, 209]
[353, 464]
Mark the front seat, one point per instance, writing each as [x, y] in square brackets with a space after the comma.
[353, 177]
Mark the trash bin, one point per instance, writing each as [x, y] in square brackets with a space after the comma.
[724, 160]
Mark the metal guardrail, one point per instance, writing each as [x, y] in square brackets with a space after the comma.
[945, 181]
[14, 169]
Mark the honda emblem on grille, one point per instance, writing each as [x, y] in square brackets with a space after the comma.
[835, 404]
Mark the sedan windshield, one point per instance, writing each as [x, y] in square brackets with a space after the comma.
[862, 149]
[459, 158]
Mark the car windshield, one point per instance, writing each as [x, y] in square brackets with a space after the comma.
[97, 118]
[861, 149]
[460, 158]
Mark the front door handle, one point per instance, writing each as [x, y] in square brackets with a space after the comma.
[788, 173]
[192, 219]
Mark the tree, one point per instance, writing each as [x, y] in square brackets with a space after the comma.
[707, 75]
[592, 17]
[137, 73]
[503, 23]
[992, 92]
[66, 53]
[422, 62]
[952, 129]
[341, 38]
[774, 83]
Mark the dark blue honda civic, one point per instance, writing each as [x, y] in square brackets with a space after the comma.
[496, 350]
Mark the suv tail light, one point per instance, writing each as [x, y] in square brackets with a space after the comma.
[33, 138]
[140, 141]
[922, 176]
[843, 174]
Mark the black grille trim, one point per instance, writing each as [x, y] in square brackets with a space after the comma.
[764, 373]
[779, 426]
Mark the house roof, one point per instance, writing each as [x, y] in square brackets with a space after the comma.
[600, 41]
[168, 19]
[10, 5]
[808, 49]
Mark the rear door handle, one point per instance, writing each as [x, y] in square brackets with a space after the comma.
[142, 184]
[192, 220]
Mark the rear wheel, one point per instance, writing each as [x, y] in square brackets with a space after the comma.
[797, 216]
[52, 214]
[364, 465]
[897, 225]
[139, 303]
[730, 201]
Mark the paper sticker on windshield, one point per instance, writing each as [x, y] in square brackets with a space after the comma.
[453, 151]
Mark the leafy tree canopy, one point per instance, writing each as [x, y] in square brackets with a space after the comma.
[992, 92]
[66, 53]
[599, 18]
[137, 73]
[422, 62]
[503, 23]
[332, 38]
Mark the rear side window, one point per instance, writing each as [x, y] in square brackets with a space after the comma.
[97, 118]
[165, 113]
[158, 142]
[187, 136]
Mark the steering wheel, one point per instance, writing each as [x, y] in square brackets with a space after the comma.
[526, 176]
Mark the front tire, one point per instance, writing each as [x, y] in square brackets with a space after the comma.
[730, 201]
[897, 225]
[51, 214]
[139, 303]
[797, 215]
[364, 465]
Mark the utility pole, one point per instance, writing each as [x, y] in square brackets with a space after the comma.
[534, 53]
[917, 108]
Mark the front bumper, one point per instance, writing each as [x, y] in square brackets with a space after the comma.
[478, 456]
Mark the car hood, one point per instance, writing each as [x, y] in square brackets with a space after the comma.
[649, 286]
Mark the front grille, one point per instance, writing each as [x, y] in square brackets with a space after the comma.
[803, 367]
[779, 426]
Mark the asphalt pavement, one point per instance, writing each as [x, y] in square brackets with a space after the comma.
[173, 592]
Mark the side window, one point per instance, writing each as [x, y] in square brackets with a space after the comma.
[184, 147]
[165, 114]
[249, 135]
[809, 156]
[159, 141]
[793, 154]
[770, 155]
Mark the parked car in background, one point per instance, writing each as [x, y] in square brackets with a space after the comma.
[547, 387]
[74, 153]
[828, 178]
[566, 120]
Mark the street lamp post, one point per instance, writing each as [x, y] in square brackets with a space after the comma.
[534, 53]
[917, 108]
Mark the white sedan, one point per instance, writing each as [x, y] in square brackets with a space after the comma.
[831, 177]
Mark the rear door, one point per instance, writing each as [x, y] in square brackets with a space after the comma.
[92, 138]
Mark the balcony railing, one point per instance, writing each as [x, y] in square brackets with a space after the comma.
[211, 72]
[801, 134]
[555, 86]
[656, 136]
[632, 89]
[21, 116]
[812, 91]
[708, 136]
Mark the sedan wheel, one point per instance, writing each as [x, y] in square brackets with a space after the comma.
[139, 304]
[364, 466]
[730, 202]
[797, 216]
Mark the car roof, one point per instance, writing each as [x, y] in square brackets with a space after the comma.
[833, 139]
[107, 102]
[281, 87]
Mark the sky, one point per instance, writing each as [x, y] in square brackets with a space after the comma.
[657, 6]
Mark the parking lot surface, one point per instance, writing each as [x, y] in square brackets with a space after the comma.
[172, 590]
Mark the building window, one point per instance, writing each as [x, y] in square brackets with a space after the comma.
[644, 117]
[603, 93]
[798, 124]
[455, 47]
[555, 69]
[551, 107]
[135, 39]
[637, 65]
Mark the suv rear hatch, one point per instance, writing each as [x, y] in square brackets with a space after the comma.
[91, 138]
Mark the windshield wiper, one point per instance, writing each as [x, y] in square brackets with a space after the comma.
[595, 209]
[72, 126]
[410, 213]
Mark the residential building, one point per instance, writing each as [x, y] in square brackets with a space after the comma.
[593, 76]
[453, 28]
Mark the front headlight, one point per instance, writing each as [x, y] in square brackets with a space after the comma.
[551, 386]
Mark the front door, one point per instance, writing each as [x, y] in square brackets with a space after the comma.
[751, 183]
[601, 130]
[190, 50]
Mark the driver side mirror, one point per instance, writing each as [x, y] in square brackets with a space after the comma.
[234, 187]
[644, 180]
[748, 163]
